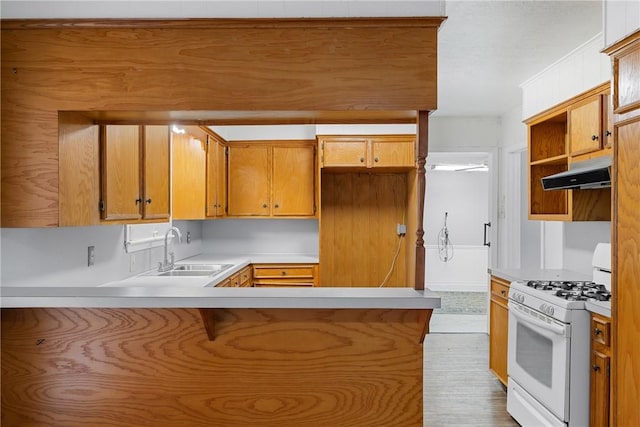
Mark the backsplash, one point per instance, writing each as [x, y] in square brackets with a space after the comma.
[261, 236]
[58, 256]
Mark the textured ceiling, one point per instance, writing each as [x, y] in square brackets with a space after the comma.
[488, 48]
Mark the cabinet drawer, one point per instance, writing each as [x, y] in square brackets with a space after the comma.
[245, 277]
[281, 284]
[601, 330]
[283, 271]
[499, 289]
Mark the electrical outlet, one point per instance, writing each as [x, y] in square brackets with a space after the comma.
[402, 229]
[188, 237]
[91, 255]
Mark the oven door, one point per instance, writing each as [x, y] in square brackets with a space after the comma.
[538, 357]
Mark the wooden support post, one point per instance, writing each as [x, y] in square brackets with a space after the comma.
[423, 150]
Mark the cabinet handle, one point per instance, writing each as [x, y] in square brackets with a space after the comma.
[361, 159]
[595, 368]
[148, 201]
[284, 273]
[597, 331]
[264, 205]
[607, 133]
[138, 200]
[594, 137]
[277, 206]
[503, 292]
[375, 159]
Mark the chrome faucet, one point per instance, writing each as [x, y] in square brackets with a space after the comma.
[167, 264]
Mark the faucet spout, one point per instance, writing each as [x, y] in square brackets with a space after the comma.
[167, 264]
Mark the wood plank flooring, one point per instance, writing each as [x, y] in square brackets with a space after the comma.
[459, 390]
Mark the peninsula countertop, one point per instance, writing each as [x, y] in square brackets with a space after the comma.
[212, 297]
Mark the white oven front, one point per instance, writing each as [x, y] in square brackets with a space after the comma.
[538, 358]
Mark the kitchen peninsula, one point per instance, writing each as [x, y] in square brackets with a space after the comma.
[201, 356]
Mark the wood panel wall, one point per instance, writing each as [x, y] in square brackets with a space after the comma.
[358, 235]
[194, 67]
[157, 367]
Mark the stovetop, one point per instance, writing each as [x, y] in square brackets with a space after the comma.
[557, 299]
[573, 290]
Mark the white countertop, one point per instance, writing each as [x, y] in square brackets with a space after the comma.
[200, 292]
[212, 297]
[603, 308]
[516, 274]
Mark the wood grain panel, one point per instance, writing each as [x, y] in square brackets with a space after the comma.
[626, 68]
[626, 271]
[156, 172]
[543, 202]
[548, 139]
[393, 153]
[591, 205]
[192, 66]
[123, 367]
[216, 178]
[79, 189]
[358, 238]
[498, 328]
[188, 176]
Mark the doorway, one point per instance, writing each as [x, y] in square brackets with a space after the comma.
[457, 207]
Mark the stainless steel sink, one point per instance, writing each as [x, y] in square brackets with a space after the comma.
[202, 267]
[193, 270]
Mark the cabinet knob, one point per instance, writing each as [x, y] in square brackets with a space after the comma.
[284, 273]
[375, 159]
[594, 137]
[148, 201]
[597, 331]
[264, 205]
[503, 292]
[607, 133]
[361, 159]
[595, 368]
[277, 206]
[138, 200]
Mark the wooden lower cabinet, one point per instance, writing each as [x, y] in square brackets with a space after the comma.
[241, 279]
[600, 413]
[498, 328]
[277, 275]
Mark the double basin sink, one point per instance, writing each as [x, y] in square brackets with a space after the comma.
[193, 270]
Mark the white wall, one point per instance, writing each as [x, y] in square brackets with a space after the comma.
[464, 195]
[621, 17]
[58, 256]
[580, 70]
[580, 240]
[261, 236]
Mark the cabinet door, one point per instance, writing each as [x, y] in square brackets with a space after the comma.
[188, 178]
[393, 154]
[600, 387]
[585, 127]
[120, 157]
[607, 121]
[216, 179]
[249, 183]
[156, 172]
[344, 152]
[294, 181]
[498, 329]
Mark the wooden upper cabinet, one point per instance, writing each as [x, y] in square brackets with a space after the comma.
[216, 178]
[393, 152]
[344, 152]
[607, 121]
[120, 170]
[585, 126]
[189, 174]
[294, 181]
[249, 180]
[156, 172]
[272, 179]
[384, 152]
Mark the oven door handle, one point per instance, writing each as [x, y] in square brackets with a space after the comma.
[556, 329]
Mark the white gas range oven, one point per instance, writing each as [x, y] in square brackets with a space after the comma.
[548, 347]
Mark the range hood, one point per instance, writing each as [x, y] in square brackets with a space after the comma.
[587, 174]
